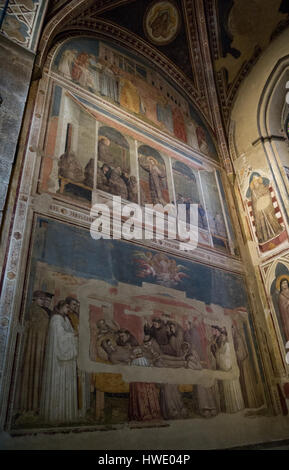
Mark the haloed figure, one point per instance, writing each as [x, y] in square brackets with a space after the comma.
[283, 304]
[156, 177]
[266, 222]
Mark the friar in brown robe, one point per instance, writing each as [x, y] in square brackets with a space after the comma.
[36, 328]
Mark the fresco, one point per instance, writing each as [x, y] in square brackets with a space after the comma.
[129, 82]
[70, 149]
[91, 154]
[117, 333]
[153, 178]
[113, 174]
[162, 22]
[280, 297]
[214, 208]
[160, 267]
[22, 21]
[229, 227]
[265, 213]
[188, 190]
[86, 152]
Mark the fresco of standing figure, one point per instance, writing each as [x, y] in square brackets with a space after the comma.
[156, 175]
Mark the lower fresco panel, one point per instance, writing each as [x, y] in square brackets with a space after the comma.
[117, 333]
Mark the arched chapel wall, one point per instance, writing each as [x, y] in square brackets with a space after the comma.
[260, 154]
[152, 334]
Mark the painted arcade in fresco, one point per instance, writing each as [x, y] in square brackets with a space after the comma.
[92, 151]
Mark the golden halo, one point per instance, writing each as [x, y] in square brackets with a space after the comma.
[103, 137]
[279, 278]
[154, 159]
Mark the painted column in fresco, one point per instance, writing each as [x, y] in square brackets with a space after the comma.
[18, 43]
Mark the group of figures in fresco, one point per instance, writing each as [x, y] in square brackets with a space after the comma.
[110, 178]
[167, 344]
[135, 87]
[88, 150]
[109, 72]
[113, 175]
[54, 390]
[48, 379]
[153, 187]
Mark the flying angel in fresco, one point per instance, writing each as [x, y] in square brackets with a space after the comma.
[163, 269]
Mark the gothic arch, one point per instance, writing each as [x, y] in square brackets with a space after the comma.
[54, 26]
[272, 295]
[270, 125]
[271, 273]
[258, 95]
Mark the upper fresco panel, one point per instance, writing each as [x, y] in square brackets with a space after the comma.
[130, 82]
